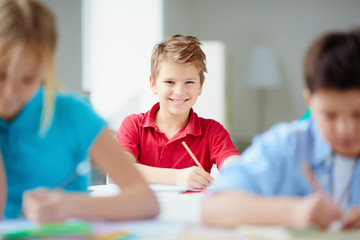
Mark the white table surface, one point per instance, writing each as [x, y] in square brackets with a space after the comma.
[179, 220]
[174, 206]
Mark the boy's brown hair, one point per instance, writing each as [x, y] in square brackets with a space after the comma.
[179, 49]
[333, 62]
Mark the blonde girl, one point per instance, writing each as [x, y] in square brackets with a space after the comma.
[44, 135]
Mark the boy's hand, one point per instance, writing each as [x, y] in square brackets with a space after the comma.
[193, 177]
[352, 219]
[43, 206]
[316, 210]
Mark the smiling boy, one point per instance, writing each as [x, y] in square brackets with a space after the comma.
[153, 139]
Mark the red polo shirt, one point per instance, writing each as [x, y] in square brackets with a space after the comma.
[207, 139]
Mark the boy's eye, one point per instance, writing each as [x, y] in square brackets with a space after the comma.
[356, 115]
[330, 115]
[169, 82]
[28, 80]
[189, 82]
[2, 75]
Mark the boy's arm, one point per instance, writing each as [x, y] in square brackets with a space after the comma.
[135, 201]
[192, 177]
[221, 148]
[3, 187]
[233, 208]
[154, 175]
[231, 159]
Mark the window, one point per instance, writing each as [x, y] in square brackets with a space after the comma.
[119, 36]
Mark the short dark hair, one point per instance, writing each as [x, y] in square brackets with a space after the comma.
[333, 62]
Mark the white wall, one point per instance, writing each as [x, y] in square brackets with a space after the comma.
[120, 36]
[68, 15]
[211, 102]
[286, 25]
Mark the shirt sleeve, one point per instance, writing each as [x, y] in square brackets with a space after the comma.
[261, 168]
[128, 134]
[84, 122]
[221, 146]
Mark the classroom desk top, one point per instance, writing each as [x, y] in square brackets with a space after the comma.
[180, 219]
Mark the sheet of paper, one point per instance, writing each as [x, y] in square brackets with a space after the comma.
[151, 229]
[111, 189]
[166, 188]
[104, 190]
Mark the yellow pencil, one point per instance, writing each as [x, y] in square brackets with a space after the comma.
[192, 155]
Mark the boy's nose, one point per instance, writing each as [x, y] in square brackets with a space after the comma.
[178, 89]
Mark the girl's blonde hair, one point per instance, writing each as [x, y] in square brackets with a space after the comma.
[27, 23]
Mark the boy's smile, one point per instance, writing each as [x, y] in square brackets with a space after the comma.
[178, 101]
[337, 115]
[177, 86]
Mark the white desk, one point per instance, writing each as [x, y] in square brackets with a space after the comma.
[178, 213]
[179, 220]
[174, 207]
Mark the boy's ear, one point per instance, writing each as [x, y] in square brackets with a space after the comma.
[153, 85]
[307, 97]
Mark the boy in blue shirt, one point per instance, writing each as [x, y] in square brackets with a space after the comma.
[268, 187]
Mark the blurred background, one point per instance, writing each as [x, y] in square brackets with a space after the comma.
[105, 47]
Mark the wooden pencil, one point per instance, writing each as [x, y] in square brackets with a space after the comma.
[192, 155]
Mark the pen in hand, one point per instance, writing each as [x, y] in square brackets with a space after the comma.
[81, 169]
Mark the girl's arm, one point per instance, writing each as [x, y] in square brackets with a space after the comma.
[3, 187]
[234, 208]
[135, 201]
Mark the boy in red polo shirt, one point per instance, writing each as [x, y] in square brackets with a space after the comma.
[154, 139]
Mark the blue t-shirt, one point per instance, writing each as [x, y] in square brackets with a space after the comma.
[31, 160]
[271, 166]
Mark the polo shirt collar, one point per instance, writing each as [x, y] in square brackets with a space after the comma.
[193, 127]
[149, 117]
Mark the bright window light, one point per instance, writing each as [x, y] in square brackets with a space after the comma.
[119, 36]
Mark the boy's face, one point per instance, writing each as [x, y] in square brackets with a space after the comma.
[177, 86]
[337, 115]
[18, 84]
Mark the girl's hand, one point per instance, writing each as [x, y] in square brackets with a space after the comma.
[193, 177]
[42, 205]
[316, 210]
[352, 219]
